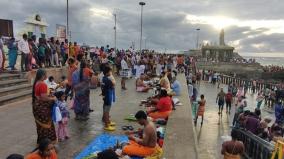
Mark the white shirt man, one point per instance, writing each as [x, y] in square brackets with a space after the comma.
[23, 46]
[124, 65]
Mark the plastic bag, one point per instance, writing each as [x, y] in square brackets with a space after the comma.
[56, 114]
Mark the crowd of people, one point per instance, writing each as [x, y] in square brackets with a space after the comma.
[52, 100]
[273, 68]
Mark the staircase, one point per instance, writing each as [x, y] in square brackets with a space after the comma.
[13, 88]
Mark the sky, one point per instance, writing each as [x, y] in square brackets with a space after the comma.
[251, 26]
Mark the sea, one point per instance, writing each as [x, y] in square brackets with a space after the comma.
[266, 59]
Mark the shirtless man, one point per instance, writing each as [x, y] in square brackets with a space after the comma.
[148, 144]
[140, 85]
[220, 100]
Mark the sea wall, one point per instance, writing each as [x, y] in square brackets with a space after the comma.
[243, 70]
[180, 139]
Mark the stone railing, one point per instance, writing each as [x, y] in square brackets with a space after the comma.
[180, 139]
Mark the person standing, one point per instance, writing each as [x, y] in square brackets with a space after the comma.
[259, 99]
[62, 54]
[71, 68]
[233, 149]
[41, 52]
[108, 94]
[58, 52]
[66, 51]
[229, 99]
[201, 109]
[54, 54]
[42, 103]
[71, 50]
[80, 84]
[124, 72]
[24, 49]
[220, 100]
[2, 55]
[34, 49]
[77, 49]
[13, 53]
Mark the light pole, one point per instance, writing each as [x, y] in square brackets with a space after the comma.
[146, 43]
[67, 18]
[197, 38]
[141, 4]
[114, 32]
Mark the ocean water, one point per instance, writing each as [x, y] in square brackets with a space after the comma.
[266, 58]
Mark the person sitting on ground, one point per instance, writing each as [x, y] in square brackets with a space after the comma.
[140, 84]
[51, 84]
[15, 156]
[164, 81]
[63, 84]
[163, 108]
[107, 154]
[43, 151]
[148, 144]
[176, 86]
[233, 149]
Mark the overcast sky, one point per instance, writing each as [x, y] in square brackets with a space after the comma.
[250, 25]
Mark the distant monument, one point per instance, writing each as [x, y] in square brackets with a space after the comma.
[219, 53]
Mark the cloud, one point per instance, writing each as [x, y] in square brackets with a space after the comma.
[250, 26]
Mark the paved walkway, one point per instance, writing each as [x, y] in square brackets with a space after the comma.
[18, 132]
[214, 126]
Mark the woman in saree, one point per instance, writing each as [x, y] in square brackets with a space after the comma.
[42, 106]
[80, 83]
[13, 53]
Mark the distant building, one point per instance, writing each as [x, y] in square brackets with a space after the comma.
[220, 53]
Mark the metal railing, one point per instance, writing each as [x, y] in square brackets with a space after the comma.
[255, 147]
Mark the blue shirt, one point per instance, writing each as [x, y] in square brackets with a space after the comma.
[176, 87]
[108, 91]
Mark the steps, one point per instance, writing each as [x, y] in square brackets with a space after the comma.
[13, 88]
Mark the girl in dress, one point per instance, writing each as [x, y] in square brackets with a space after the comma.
[62, 130]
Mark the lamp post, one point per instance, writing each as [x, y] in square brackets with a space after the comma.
[114, 32]
[67, 19]
[197, 37]
[141, 4]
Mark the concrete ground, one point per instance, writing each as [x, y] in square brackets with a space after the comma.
[18, 132]
[214, 127]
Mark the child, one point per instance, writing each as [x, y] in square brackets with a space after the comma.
[62, 131]
[201, 109]
[108, 93]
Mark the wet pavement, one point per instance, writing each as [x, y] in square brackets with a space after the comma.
[18, 132]
[209, 135]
